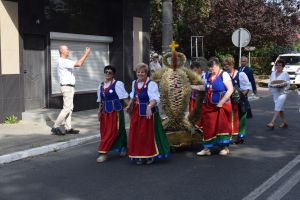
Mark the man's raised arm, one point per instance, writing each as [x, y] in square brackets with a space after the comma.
[82, 59]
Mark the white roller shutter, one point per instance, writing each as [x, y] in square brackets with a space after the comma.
[89, 75]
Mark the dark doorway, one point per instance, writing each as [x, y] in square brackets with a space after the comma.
[34, 71]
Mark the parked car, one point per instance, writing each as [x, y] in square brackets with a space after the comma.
[292, 66]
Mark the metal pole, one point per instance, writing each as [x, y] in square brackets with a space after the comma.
[202, 47]
[240, 46]
[191, 47]
[196, 47]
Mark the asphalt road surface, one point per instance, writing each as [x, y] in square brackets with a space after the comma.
[266, 166]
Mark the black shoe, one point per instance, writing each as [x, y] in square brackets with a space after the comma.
[249, 116]
[72, 131]
[239, 141]
[56, 131]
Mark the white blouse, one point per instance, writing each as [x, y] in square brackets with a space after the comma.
[226, 77]
[284, 76]
[245, 84]
[152, 91]
[120, 90]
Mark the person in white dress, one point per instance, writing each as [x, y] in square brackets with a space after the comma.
[279, 85]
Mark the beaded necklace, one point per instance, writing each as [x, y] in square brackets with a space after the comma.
[211, 79]
[137, 89]
[105, 90]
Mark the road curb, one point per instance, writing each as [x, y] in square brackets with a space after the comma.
[7, 158]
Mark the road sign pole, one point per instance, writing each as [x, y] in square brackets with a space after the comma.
[197, 47]
[240, 45]
[240, 38]
[191, 47]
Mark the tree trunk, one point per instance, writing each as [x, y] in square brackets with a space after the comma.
[167, 24]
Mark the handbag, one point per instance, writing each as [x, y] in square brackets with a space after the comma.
[242, 106]
[237, 95]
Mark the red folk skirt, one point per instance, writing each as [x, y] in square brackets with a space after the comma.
[147, 139]
[192, 104]
[217, 124]
[112, 132]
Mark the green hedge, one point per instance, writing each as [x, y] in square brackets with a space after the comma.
[261, 65]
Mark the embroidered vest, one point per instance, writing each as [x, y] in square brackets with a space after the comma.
[143, 100]
[215, 90]
[109, 99]
[236, 80]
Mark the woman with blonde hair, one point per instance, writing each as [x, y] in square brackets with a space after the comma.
[147, 139]
[241, 86]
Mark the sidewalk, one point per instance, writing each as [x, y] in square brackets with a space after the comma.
[32, 135]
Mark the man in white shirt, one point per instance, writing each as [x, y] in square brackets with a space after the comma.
[65, 69]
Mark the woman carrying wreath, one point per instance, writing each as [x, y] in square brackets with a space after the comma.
[279, 85]
[147, 139]
[111, 115]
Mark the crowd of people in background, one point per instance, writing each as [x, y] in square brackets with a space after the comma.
[224, 110]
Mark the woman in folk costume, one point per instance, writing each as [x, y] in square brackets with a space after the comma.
[147, 139]
[239, 112]
[279, 86]
[216, 113]
[111, 115]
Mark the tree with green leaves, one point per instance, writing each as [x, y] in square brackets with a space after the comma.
[268, 22]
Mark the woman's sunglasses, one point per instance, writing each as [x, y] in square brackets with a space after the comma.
[108, 72]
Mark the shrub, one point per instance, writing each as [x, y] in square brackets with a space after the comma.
[261, 65]
[11, 119]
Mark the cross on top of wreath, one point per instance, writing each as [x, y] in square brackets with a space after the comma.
[173, 45]
[174, 59]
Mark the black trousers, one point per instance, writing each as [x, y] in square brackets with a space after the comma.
[249, 112]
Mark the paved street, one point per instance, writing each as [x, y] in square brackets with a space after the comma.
[267, 166]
